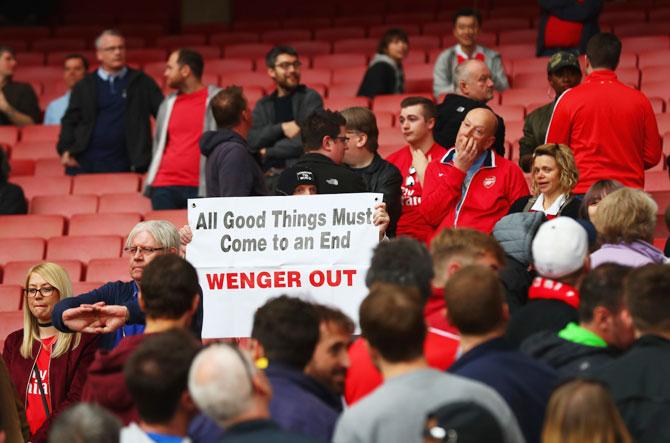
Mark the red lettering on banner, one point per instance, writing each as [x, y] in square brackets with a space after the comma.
[280, 279]
[294, 279]
[215, 281]
[264, 280]
[232, 281]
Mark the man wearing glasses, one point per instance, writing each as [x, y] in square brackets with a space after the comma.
[275, 133]
[106, 127]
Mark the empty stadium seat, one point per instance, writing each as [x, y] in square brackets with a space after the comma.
[37, 73]
[352, 74]
[646, 43]
[9, 134]
[107, 269]
[424, 42]
[311, 47]
[531, 65]
[9, 322]
[33, 186]
[516, 51]
[260, 79]
[15, 272]
[524, 96]
[103, 224]
[10, 297]
[173, 42]
[48, 167]
[392, 136]
[656, 181]
[509, 112]
[65, 205]
[146, 55]
[377, 31]
[220, 66]
[178, 217]
[506, 23]
[655, 74]
[31, 248]
[58, 44]
[658, 57]
[232, 38]
[331, 61]
[516, 36]
[84, 248]
[343, 90]
[526, 80]
[641, 29]
[124, 202]
[339, 33]
[663, 121]
[82, 287]
[513, 131]
[251, 50]
[419, 78]
[283, 36]
[356, 46]
[629, 76]
[40, 133]
[385, 120]
[323, 76]
[22, 226]
[34, 150]
[391, 102]
[99, 184]
[386, 150]
[21, 168]
[340, 103]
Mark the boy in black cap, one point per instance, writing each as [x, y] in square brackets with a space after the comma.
[301, 182]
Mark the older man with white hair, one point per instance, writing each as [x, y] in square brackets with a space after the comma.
[232, 391]
[112, 309]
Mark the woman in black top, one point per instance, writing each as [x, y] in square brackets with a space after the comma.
[385, 74]
[12, 200]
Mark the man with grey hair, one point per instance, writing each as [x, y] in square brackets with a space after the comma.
[106, 127]
[232, 391]
[85, 423]
[112, 309]
[473, 88]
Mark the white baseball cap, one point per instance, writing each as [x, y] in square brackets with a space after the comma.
[560, 247]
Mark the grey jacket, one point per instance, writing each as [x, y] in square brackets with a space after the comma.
[266, 133]
[160, 138]
[443, 73]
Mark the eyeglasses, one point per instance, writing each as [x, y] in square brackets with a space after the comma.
[132, 250]
[113, 48]
[44, 291]
[286, 65]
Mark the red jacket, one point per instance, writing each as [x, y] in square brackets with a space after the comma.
[106, 385]
[492, 190]
[611, 129]
[67, 374]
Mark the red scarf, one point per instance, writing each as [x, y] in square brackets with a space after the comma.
[544, 288]
[478, 56]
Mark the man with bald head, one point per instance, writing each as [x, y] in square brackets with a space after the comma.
[472, 186]
[473, 88]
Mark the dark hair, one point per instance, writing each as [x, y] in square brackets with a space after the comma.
[597, 192]
[271, 57]
[227, 107]
[468, 12]
[603, 51]
[193, 60]
[603, 286]
[402, 261]
[320, 123]
[169, 284]
[4, 48]
[429, 108]
[646, 296]
[83, 59]
[391, 319]
[330, 314]
[363, 120]
[288, 329]
[389, 37]
[475, 298]
[157, 373]
[5, 168]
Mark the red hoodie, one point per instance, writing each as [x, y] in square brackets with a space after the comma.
[611, 129]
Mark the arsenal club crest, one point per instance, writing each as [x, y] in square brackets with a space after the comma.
[489, 182]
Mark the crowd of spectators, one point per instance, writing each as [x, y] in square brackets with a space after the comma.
[500, 307]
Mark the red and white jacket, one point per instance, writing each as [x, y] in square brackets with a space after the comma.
[494, 187]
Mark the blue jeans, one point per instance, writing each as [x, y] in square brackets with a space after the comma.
[172, 197]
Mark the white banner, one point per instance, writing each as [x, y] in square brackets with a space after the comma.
[249, 249]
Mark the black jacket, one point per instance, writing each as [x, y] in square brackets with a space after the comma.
[262, 431]
[143, 97]
[231, 169]
[12, 200]
[586, 13]
[568, 358]
[569, 209]
[539, 315]
[383, 76]
[382, 176]
[638, 381]
[450, 114]
[331, 178]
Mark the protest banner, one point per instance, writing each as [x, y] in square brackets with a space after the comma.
[249, 249]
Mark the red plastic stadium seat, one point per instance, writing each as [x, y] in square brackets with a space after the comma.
[10, 297]
[517, 51]
[81, 31]
[82, 287]
[524, 96]
[386, 150]
[349, 75]
[21, 249]
[180, 41]
[359, 19]
[221, 66]
[656, 181]
[506, 23]
[49, 167]
[307, 22]
[377, 31]
[356, 46]
[251, 50]
[30, 59]
[40, 133]
[655, 74]
[232, 38]
[418, 78]
[513, 131]
[391, 136]
[65, 205]
[510, 112]
[416, 57]
[340, 103]
[646, 43]
[21, 226]
[21, 168]
[105, 183]
[657, 104]
[391, 102]
[124, 202]
[322, 76]
[145, 55]
[663, 122]
[385, 120]
[339, 33]
[34, 150]
[343, 90]
[629, 76]
[628, 16]
[283, 36]
[9, 135]
[244, 79]
[37, 73]
[10, 322]
[534, 80]
[332, 61]
[178, 217]
[424, 42]
[516, 36]
[58, 44]
[662, 199]
[311, 47]
[84, 248]
[531, 65]
[103, 224]
[16, 271]
[656, 89]
[641, 29]
[34, 186]
[658, 57]
[107, 269]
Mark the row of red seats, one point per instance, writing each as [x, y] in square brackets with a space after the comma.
[114, 268]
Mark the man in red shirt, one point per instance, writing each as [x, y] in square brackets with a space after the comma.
[176, 172]
[610, 126]
[417, 119]
[472, 186]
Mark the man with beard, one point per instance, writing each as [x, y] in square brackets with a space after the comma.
[176, 172]
[275, 133]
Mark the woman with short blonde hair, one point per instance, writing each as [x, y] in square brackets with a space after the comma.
[48, 367]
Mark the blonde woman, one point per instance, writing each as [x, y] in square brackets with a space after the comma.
[582, 411]
[554, 175]
[48, 367]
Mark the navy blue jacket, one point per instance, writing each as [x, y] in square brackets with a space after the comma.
[262, 431]
[114, 293]
[524, 383]
[296, 404]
